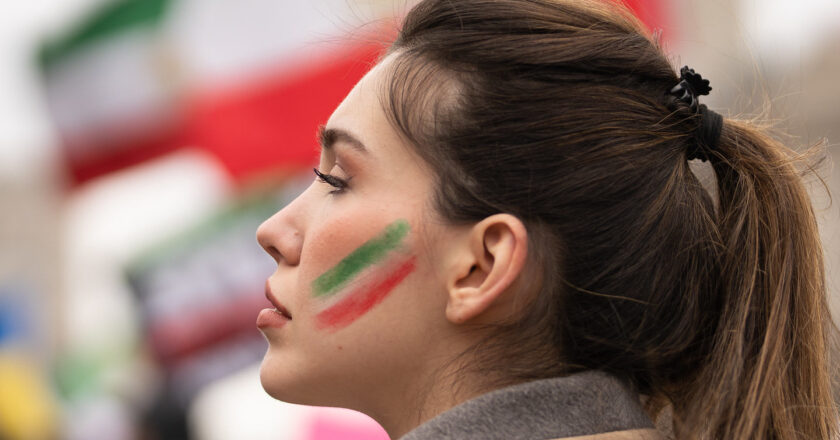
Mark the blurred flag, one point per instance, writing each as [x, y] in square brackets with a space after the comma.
[248, 80]
[111, 88]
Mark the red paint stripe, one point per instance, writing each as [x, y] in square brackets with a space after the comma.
[359, 301]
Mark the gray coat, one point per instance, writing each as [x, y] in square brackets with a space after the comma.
[583, 404]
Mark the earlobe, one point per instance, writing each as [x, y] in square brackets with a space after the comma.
[486, 268]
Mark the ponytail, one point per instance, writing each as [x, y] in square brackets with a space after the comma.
[768, 371]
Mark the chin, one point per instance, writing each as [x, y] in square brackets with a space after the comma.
[276, 382]
[282, 383]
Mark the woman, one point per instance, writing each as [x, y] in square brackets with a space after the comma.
[505, 240]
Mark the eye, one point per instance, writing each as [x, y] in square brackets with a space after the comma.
[338, 183]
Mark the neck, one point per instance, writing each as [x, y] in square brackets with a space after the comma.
[424, 399]
[404, 401]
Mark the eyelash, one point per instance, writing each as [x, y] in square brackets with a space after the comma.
[339, 184]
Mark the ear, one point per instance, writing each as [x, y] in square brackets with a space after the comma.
[486, 266]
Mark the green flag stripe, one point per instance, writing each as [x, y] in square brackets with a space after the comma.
[367, 254]
[112, 18]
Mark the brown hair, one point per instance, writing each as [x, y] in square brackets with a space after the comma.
[556, 112]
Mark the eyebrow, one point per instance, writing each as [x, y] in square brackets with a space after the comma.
[327, 137]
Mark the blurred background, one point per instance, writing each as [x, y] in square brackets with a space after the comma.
[143, 141]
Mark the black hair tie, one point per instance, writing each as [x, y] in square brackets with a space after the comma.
[691, 86]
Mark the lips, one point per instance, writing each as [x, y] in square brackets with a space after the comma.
[277, 306]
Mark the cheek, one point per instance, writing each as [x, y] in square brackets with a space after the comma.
[353, 278]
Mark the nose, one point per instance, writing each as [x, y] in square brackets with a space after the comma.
[281, 234]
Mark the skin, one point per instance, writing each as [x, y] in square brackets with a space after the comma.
[397, 361]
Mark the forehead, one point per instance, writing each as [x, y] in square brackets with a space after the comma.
[361, 115]
[363, 102]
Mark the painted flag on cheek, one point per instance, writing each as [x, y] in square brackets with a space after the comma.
[366, 255]
[364, 278]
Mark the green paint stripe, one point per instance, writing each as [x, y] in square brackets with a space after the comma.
[367, 254]
[111, 19]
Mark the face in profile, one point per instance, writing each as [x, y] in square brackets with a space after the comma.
[357, 282]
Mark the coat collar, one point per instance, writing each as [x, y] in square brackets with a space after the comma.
[582, 404]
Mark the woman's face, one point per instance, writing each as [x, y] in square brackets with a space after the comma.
[358, 266]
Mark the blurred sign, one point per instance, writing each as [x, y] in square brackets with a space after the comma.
[200, 293]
